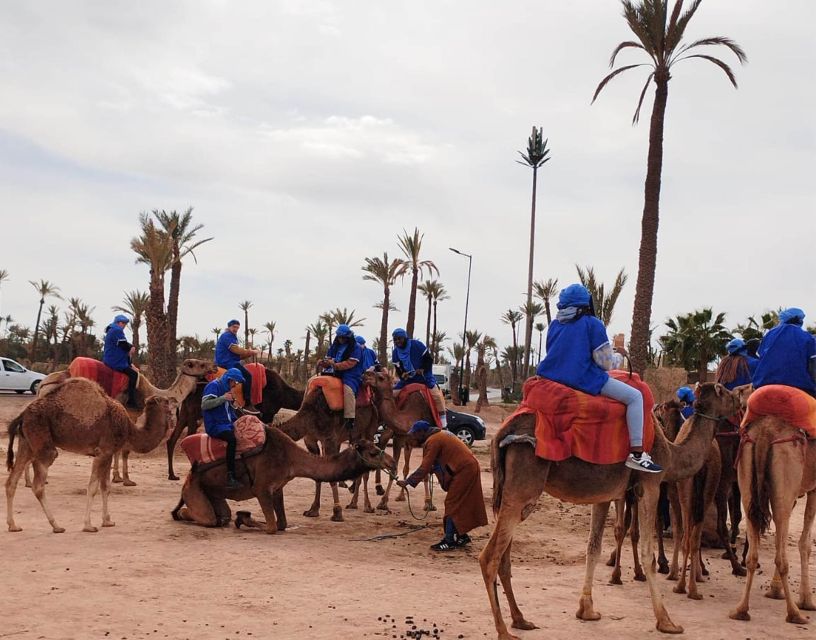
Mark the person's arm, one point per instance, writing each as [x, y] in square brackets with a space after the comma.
[346, 364]
[603, 356]
[426, 362]
[240, 351]
[429, 456]
[212, 401]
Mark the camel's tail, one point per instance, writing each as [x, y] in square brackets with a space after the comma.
[13, 430]
[759, 508]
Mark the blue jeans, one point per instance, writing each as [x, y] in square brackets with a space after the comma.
[633, 400]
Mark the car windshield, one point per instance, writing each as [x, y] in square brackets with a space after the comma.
[10, 365]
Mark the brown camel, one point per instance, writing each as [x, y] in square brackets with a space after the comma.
[264, 475]
[519, 478]
[398, 422]
[776, 466]
[78, 416]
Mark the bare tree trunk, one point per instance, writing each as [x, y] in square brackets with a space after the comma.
[306, 355]
[528, 330]
[162, 370]
[454, 388]
[33, 355]
[409, 328]
[435, 349]
[481, 379]
[382, 351]
[173, 304]
[428, 326]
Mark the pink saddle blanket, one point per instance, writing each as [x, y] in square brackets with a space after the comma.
[201, 448]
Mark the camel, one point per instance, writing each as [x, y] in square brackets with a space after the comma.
[777, 465]
[264, 475]
[78, 416]
[519, 478]
[399, 422]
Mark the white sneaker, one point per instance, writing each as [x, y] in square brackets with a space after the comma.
[643, 463]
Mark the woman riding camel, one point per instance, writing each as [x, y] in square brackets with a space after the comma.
[737, 368]
[345, 361]
[414, 364]
[117, 355]
[579, 355]
[458, 472]
[787, 354]
[219, 416]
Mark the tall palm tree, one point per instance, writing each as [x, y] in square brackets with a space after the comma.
[135, 305]
[344, 316]
[320, 331]
[411, 246]
[8, 320]
[530, 310]
[327, 318]
[44, 289]
[439, 293]
[270, 331]
[154, 248]
[491, 344]
[426, 289]
[384, 272]
[4, 275]
[604, 300]
[513, 317]
[181, 232]
[471, 341]
[540, 326]
[537, 154]
[245, 306]
[660, 35]
[437, 339]
[695, 339]
[546, 290]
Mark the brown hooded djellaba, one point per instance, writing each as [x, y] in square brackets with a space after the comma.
[458, 472]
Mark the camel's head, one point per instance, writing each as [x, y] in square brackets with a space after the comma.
[743, 393]
[162, 410]
[713, 399]
[669, 418]
[198, 368]
[380, 381]
[374, 457]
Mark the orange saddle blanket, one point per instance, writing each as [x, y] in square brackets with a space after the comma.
[113, 382]
[332, 390]
[417, 387]
[258, 373]
[790, 404]
[573, 423]
[201, 448]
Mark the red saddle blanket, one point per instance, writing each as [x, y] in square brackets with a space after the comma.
[258, 373]
[572, 423]
[790, 404]
[417, 387]
[332, 390]
[249, 433]
[364, 397]
[113, 382]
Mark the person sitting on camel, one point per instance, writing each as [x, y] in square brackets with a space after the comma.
[737, 368]
[369, 355]
[458, 472]
[686, 397]
[117, 355]
[344, 360]
[414, 364]
[787, 354]
[219, 416]
[228, 355]
[579, 355]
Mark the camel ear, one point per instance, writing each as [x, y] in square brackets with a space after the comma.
[719, 389]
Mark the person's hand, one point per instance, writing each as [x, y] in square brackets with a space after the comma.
[256, 352]
[229, 396]
[133, 351]
[402, 484]
[420, 372]
[622, 351]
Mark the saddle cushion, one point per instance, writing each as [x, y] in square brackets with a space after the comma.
[201, 448]
[790, 404]
[572, 423]
[332, 390]
[418, 387]
[113, 382]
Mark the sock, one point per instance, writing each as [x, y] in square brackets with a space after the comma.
[443, 418]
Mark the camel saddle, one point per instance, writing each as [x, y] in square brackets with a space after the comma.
[113, 382]
[332, 390]
[790, 404]
[250, 436]
[364, 397]
[237, 390]
[418, 387]
[258, 373]
[573, 423]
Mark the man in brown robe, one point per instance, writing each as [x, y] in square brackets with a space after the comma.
[458, 472]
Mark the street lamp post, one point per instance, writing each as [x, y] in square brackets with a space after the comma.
[462, 389]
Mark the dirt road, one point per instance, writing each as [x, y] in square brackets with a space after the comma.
[151, 577]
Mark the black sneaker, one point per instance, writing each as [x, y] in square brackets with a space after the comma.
[462, 540]
[643, 463]
[444, 545]
[251, 410]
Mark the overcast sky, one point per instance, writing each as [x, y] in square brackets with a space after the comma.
[308, 134]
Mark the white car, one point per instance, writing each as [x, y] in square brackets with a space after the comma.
[15, 377]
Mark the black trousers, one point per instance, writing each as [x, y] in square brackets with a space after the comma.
[133, 378]
[229, 438]
[247, 382]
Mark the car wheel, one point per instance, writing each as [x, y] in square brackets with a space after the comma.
[466, 435]
[35, 386]
[20, 391]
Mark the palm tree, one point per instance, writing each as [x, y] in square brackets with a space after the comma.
[245, 306]
[320, 331]
[471, 340]
[537, 154]
[531, 310]
[513, 317]
[437, 339]
[491, 344]
[426, 289]
[270, 331]
[155, 249]
[411, 246]
[546, 290]
[4, 275]
[8, 320]
[44, 289]
[344, 316]
[385, 272]
[181, 232]
[216, 331]
[540, 326]
[660, 36]
[695, 339]
[434, 292]
[604, 302]
[135, 305]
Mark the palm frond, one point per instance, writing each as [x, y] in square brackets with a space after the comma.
[722, 65]
[623, 45]
[717, 41]
[606, 80]
[636, 117]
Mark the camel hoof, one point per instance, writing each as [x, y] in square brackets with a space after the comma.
[383, 506]
[669, 627]
[663, 568]
[128, 483]
[400, 497]
[524, 625]
[775, 594]
[109, 523]
[429, 506]
[58, 529]
[379, 490]
[271, 531]
[671, 576]
[368, 510]
[351, 506]
[695, 596]
[588, 615]
[85, 529]
[806, 605]
[28, 485]
[739, 571]
[740, 615]
[796, 618]
[13, 528]
[337, 518]
[615, 580]
[337, 513]
[172, 476]
[116, 479]
[679, 588]
[311, 513]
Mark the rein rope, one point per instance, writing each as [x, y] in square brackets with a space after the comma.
[394, 476]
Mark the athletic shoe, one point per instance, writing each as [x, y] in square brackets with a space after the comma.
[444, 545]
[462, 540]
[642, 463]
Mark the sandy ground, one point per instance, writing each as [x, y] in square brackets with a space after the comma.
[151, 577]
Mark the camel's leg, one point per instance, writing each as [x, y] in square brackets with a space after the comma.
[314, 510]
[337, 509]
[28, 476]
[696, 559]
[126, 481]
[676, 517]
[41, 464]
[505, 575]
[355, 496]
[383, 505]
[722, 534]
[775, 591]
[198, 507]
[267, 502]
[662, 560]
[635, 536]
[648, 511]
[429, 505]
[93, 489]
[805, 596]
[745, 472]
[367, 508]
[620, 534]
[406, 469]
[104, 485]
[586, 610]
[280, 511]
[116, 458]
[686, 498]
[171, 447]
[20, 465]
[734, 507]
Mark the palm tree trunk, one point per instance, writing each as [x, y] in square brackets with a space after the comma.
[36, 332]
[540, 336]
[162, 370]
[435, 349]
[384, 326]
[514, 361]
[428, 326]
[173, 304]
[528, 329]
[246, 328]
[136, 325]
[644, 290]
[306, 354]
[409, 328]
[547, 311]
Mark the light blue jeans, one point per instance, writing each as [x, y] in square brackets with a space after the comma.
[633, 400]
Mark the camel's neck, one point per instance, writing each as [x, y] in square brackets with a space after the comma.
[299, 425]
[342, 466]
[686, 456]
[182, 387]
[149, 430]
[387, 408]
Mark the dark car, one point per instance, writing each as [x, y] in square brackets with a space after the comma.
[466, 427]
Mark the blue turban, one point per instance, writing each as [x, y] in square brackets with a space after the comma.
[793, 315]
[233, 374]
[232, 322]
[575, 295]
[399, 333]
[420, 426]
[735, 346]
[120, 318]
[360, 340]
[343, 331]
[686, 395]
